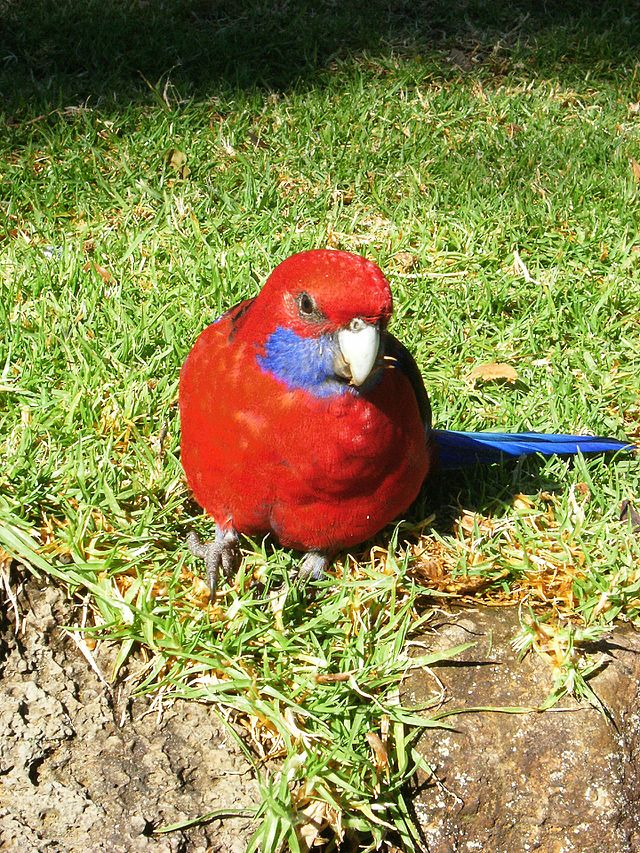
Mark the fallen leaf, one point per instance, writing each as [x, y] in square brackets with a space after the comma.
[344, 196]
[405, 260]
[292, 726]
[628, 513]
[583, 490]
[178, 162]
[635, 168]
[316, 816]
[461, 59]
[493, 371]
[333, 677]
[177, 159]
[378, 749]
[104, 274]
[256, 140]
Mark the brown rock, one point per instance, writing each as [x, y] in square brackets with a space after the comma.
[560, 780]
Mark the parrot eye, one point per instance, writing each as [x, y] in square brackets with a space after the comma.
[307, 307]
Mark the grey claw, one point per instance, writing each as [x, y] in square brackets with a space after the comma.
[195, 544]
[312, 566]
[221, 553]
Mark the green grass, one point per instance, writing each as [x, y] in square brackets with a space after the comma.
[348, 125]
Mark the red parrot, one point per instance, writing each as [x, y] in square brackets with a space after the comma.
[303, 417]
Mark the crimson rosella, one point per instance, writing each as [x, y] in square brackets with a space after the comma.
[304, 417]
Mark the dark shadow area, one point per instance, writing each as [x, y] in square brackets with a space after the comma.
[483, 489]
[488, 491]
[60, 52]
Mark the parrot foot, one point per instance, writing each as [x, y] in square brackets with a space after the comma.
[222, 553]
[312, 566]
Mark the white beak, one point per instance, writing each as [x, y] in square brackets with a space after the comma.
[359, 345]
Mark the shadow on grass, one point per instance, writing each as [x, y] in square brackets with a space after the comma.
[59, 52]
[483, 489]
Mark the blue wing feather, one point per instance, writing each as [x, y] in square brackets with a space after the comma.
[457, 449]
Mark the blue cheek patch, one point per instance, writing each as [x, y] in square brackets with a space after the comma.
[302, 363]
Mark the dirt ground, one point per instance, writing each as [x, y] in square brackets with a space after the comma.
[84, 767]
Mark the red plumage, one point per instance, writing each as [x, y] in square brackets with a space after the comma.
[319, 472]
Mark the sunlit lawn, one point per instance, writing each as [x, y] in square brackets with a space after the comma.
[487, 166]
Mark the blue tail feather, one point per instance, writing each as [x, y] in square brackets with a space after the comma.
[457, 449]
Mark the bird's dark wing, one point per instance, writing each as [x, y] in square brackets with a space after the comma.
[235, 314]
[405, 362]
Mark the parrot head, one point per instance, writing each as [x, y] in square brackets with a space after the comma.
[322, 316]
